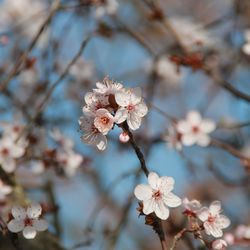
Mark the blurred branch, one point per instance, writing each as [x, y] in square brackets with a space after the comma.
[55, 6]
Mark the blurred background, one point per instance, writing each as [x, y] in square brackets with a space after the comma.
[185, 55]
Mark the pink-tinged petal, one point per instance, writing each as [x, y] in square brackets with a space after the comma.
[135, 96]
[141, 109]
[18, 212]
[121, 115]
[6, 190]
[40, 225]
[194, 118]
[203, 214]
[134, 121]
[29, 232]
[34, 210]
[161, 210]
[153, 180]
[219, 244]
[171, 200]
[89, 97]
[148, 206]
[222, 222]
[203, 140]
[16, 226]
[122, 98]
[188, 139]
[215, 208]
[207, 126]
[166, 184]
[143, 192]
[212, 229]
[17, 151]
[183, 127]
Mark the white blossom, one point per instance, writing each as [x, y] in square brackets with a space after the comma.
[92, 135]
[212, 219]
[219, 244]
[173, 138]
[132, 107]
[9, 152]
[27, 221]
[157, 196]
[242, 232]
[108, 87]
[104, 121]
[195, 130]
[4, 190]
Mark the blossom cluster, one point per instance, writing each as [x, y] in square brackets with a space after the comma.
[109, 104]
[190, 131]
[157, 197]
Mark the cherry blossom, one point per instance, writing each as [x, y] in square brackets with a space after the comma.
[4, 190]
[132, 108]
[104, 121]
[108, 87]
[9, 152]
[195, 130]
[27, 221]
[92, 135]
[219, 244]
[242, 232]
[157, 196]
[212, 219]
[191, 207]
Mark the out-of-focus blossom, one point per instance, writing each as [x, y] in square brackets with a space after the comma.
[229, 238]
[173, 138]
[91, 135]
[27, 221]
[213, 220]
[107, 7]
[243, 232]
[132, 107]
[124, 137]
[9, 152]
[195, 130]
[246, 45]
[4, 190]
[157, 196]
[61, 139]
[191, 206]
[219, 244]
[28, 14]
[29, 77]
[191, 33]
[167, 70]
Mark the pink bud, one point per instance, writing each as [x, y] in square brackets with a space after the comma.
[124, 137]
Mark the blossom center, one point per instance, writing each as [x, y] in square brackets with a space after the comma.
[157, 195]
[28, 222]
[211, 219]
[195, 129]
[130, 107]
[104, 120]
[5, 152]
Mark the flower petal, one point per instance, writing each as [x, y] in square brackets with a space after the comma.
[203, 214]
[207, 126]
[29, 232]
[188, 139]
[153, 180]
[40, 225]
[122, 98]
[203, 140]
[18, 212]
[161, 210]
[148, 206]
[34, 210]
[135, 96]
[171, 200]
[141, 109]
[183, 127]
[15, 226]
[134, 121]
[212, 229]
[121, 115]
[166, 184]
[101, 142]
[143, 192]
[223, 222]
[194, 118]
[215, 208]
